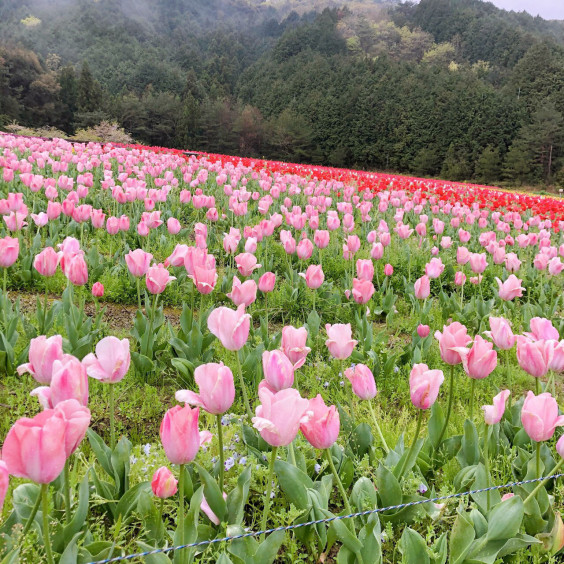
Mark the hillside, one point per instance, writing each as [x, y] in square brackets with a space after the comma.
[457, 88]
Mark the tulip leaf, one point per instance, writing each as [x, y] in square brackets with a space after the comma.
[142, 363]
[313, 322]
[70, 553]
[159, 558]
[389, 488]
[129, 500]
[436, 422]
[13, 557]
[268, 549]
[237, 498]
[101, 450]
[212, 493]
[363, 495]
[413, 548]
[461, 537]
[294, 483]
[361, 439]
[120, 463]
[244, 549]
[505, 519]
[370, 537]
[81, 512]
[469, 454]
[344, 534]
[224, 559]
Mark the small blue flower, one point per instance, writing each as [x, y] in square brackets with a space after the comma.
[325, 384]
[225, 420]
[243, 460]
[229, 463]
[422, 489]
[317, 468]
[147, 449]
[133, 459]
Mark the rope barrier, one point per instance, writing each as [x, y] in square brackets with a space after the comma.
[319, 521]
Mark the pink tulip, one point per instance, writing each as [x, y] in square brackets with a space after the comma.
[534, 357]
[304, 249]
[4, 482]
[98, 290]
[76, 269]
[138, 262]
[278, 370]
[243, 293]
[434, 268]
[164, 484]
[177, 257]
[377, 251]
[230, 327]
[501, 333]
[46, 262]
[179, 434]
[542, 330]
[340, 342]
[157, 279]
[216, 389]
[9, 251]
[111, 361]
[294, 345]
[279, 416]
[362, 381]
[560, 446]
[388, 270]
[173, 226]
[246, 263]
[266, 282]
[453, 336]
[423, 330]
[362, 291]
[460, 278]
[424, 385]
[321, 238]
[365, 269]
[422, 287]
[313, 276]
[205, 279]
[557, 362]
[77, 419]
[510, 289]
[112, 225]
[494, 413]
[69, 381]
[478, 262]
[33, 447]
[480, 360]
[539, 416]
[462, 256]
[322, 428]
[43, 352]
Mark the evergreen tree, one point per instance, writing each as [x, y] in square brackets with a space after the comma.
[68, 97]
[488, 165]
[518, 163]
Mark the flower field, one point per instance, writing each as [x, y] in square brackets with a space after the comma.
[196, 346]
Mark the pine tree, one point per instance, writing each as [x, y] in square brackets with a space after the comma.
[518, 163]
[488, 165]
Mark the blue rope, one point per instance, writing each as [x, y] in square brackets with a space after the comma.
[328, 520]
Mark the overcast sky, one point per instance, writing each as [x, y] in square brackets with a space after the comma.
[548, 9]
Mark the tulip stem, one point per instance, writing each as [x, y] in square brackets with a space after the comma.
[112, 422]
[268, 490]
[181, 508]
[161, 509]
[243, 387]
[266, 310]
[538, 449]
[45, 510]
[221, 455]
[413, 443]
[377, 427]
[292, 453]
[66, 477]
[472, 391]
[32, 515]
[541, 484]
[340, 486]
[449, 406]
[139, 293]
[5, 280]
[487, 465]
[537, 386]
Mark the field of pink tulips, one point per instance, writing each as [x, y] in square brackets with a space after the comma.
[196, 346]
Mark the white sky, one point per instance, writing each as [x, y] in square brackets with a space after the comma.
[548, 9]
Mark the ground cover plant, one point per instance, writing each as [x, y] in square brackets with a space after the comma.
[194, 346]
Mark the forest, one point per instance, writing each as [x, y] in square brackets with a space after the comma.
[452, 88]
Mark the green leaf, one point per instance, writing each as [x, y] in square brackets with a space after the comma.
[294, 483]
[413, 548]
[469, 454]
[436, 422]
[313, 322]
[212, 493]
[461, 538]
[389, 488]
[101, 450]
[237, 498]
[70, 554]
[363, 495]
[159, 558]
[142, 363]
[129, 500]
[345, 535]
[505, 519]
[370, 537]
[361, 439]
[224, 559]
[268, 550]
[81, 512]
[13, 557]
